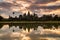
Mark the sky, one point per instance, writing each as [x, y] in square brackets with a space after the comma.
[39, 7]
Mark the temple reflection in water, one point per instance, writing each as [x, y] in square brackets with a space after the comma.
[30, 32]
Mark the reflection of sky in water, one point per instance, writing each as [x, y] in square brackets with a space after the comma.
[7, 33]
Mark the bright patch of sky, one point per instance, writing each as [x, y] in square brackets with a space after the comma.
[41, 6]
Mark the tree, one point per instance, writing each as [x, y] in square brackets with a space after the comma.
[10, 18]
[35, 17]
[20, 17]
[13, 12]
[1, 18]
[55, 18]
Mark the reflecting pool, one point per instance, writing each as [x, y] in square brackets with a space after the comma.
[29, 31]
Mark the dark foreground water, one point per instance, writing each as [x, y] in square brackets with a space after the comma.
[29, 31]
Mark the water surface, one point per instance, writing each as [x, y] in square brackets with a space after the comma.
[29, 31]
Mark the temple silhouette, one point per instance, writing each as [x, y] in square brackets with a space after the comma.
[32, 17]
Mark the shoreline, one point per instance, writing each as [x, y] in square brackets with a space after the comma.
[29, 21]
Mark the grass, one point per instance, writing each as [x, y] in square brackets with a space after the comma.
[29, 21]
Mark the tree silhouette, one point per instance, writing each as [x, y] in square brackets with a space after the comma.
[20, 17]
[55, 18]
[13, 12]
[1, 18]
[10, 18]
[33, 17]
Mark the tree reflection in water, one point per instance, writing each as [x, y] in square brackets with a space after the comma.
[30, 32]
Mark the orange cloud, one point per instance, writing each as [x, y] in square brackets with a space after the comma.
[42, 6]
[4, 16]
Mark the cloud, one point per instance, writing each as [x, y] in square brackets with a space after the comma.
[5, 5]
[42, 6]
[44, 1]
[50, 7]
[10, 1]
[5, 16]
[1, 0]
